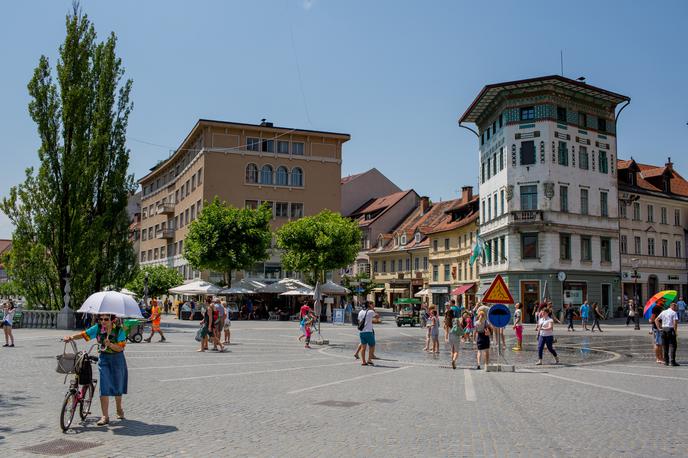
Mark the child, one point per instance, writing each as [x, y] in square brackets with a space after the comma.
[518, 327]
[467, 324]
[307, 327]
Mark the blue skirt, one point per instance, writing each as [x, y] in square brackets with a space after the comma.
[113, 374]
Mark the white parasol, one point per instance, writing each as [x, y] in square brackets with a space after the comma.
[113, 303]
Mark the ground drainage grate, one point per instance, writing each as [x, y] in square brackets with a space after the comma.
[338, 403]
[60, 447]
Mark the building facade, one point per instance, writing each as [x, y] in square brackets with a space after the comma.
[548, 190]
[450, 246]
[296, 171]
[360, 188]
[653, 219]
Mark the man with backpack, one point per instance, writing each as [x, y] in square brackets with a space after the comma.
[366, 333]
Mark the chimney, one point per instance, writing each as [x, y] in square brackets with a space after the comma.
[669, 164]
[466, 193]
[424, 204]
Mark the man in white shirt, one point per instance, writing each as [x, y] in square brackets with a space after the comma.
[366, 334]
[667, 321]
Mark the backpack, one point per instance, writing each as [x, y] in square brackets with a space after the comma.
[83, 369]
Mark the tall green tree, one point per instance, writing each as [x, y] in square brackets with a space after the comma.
[160, 280]
[72, 212]
[320, 243]
[225, 238]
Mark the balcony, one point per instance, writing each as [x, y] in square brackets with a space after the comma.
[526, 216]
[166, 209]
[165, 234]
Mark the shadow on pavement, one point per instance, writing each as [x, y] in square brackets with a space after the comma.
[133, 428]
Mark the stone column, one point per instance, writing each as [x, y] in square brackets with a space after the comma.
[66, 318]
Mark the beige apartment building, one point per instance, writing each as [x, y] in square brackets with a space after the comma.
[296, 171]
[450, 247]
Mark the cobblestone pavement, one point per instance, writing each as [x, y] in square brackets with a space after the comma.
[268, 396]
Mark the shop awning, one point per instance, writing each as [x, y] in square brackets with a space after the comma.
[439, 289]
[422, 292]
[482, 290]
[462, 289]
[377, 290]
[397, 290]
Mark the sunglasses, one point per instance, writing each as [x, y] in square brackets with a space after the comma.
[104, 319]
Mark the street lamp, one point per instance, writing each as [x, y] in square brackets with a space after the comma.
[635, 262]
[145, 291]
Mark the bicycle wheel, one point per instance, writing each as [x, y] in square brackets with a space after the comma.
[86, 399]
[68, 409]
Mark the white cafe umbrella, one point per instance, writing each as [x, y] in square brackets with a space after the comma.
[298, 292]
[330, 288]
[195, 287]
[113, 303]
[236, 290]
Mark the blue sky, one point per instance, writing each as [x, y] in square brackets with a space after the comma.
[396, 75]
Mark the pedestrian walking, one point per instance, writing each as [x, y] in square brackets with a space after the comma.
[657, 331]
[568, 314]
[8, 312]
[596, 316]
[308, 329]
[428, 328]
[303, 313]
[585, 314]
[155, 322]
[667, 321]
[631, 312]
[452, 334]
[467, 323]
[366, 332]
[545, 328]
[518, 326]
[227, 323]
[220, 320]
[681, 309]
[455, 308]
[483, 330]
[434, 325]
[112, 365]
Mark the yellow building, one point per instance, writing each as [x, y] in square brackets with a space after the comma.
[450, 246]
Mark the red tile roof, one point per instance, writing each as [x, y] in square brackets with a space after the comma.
[376, 204]
[5, 245]
[349, 178]
[649, 177]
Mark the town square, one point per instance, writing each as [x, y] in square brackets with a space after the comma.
[302, 227]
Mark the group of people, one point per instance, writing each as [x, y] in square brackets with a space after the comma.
[216, 320]
[664, 323]
[8, 311]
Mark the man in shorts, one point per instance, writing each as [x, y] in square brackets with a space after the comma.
[220, 321]
[585, 313]
[155, 321]
[367, 334]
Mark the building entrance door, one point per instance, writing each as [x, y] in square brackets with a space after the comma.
[652, 286]
[530, 292]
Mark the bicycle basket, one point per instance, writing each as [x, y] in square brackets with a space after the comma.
[66, 362]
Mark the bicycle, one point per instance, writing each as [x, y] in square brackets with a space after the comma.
[81, 387]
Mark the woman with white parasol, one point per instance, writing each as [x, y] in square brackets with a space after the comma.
[111, 338]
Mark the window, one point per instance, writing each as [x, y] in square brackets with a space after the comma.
[495, 248]
[604, 208]
[601, 124]
[297, 148]
[564, 198]
[677, 217]
[501, 202]
[144, 233]
[489, 168]
[650, 214]
[435, 272]
[622, 210]
[528, 153]
[193, 212]
[665, 248]
[283, 147]
[252, 144]
[501, 120]
[251, 173]
[252, 204]
[193, 182]
[636, 211]
[494, 127]
[482, 172]
[501, 159]
[296, 210]
[392, 266]
[446, 272]
[529, 246]
[434, 245]
[527, 113]
[563, 154]
[425, 263]
[502, 245]
[605, 249]
[678, 248]
[296, 177]
[565, 247]
[266, 174]
[408, 264]
[199, 177]
[663, 215]
[482, 138]
[268, 146]
[651, 247]
[488, 252]
[482, 208]
[384, 266]
[529, 197]
[583, 157]
[489, 208]
[446, 244]
[584, 201]
[416, 263]
[375, 266]
[494, 164]
[623, 244]
[143, 256]
[488, 132]
[282, 176]
[636, 245]
[561, 114]
[603, 164]
[403, 239]
[586, 249]
[582, 120]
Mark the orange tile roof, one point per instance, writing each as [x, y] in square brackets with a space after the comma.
[376, 204]
[349, 178]
[647, 179]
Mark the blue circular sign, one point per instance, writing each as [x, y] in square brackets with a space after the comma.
[499, 315]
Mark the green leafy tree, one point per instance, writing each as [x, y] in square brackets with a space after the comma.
[160, 280]
[316, 244]
[225, 239]
[72, 212]
[364, 283]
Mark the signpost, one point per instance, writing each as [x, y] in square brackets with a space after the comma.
[338, 316]
[498, 292]
[499, 316]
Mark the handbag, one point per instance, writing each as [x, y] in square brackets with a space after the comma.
[199, 334]
[66, 362]
[361, 325]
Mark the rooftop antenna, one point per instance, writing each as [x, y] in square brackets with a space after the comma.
[561, 60]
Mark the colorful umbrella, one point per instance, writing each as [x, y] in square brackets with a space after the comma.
[669, 296]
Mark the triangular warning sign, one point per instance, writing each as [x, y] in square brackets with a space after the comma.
[498, 292]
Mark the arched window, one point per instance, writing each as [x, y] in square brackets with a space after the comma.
[266, 174]
[296, 177]
[282, 176]
[251, 173]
